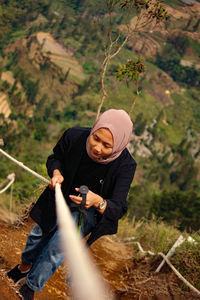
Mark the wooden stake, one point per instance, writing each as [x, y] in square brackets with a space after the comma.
[1, 143]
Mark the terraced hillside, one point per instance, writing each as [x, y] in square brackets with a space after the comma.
[4, 106]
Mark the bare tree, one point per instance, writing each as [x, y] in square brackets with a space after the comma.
[148, 12]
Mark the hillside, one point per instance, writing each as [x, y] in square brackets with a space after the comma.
[129, 278]
[4, 107]
[51, 61]
[50, 70]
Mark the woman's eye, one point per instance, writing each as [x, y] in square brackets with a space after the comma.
[107, 146]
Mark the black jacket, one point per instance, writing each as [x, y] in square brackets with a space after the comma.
[66, 157]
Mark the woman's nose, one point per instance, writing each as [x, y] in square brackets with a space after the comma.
[98, 148]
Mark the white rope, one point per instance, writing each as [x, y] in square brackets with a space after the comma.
[10, 177]
[24, 167]
[86, 281]
[179, 275]
[87, 284]
[179, 241]
[129, 239]
[144, 252]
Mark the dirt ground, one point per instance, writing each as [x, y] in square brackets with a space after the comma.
[129, 278]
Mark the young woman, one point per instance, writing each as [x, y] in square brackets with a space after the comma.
[97, 158]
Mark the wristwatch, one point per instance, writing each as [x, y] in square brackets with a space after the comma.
[102, 204]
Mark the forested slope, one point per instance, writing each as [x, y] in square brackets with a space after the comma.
[51, 58]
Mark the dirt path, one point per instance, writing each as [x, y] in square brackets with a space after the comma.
[129, 278]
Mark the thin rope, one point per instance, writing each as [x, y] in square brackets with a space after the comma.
[179, 241]
[171, 266]
[10, 177]
[86, 287]
[4, 182]
[86, 281]
[178, 274]
[24, 167]
[144, 252]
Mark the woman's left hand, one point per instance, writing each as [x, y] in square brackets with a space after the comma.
[92, 199]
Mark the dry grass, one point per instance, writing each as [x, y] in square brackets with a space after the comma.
[187, 261]
[156, 236]
[153, 235]
[17, 213]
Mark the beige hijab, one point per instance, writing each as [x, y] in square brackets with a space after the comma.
[120, 125]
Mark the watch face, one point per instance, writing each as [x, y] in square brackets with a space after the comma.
[102, 204]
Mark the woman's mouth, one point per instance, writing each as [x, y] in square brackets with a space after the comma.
[96, 154]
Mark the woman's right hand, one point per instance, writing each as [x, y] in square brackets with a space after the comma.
[57, 178]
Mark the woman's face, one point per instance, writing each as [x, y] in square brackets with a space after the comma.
[101, 143]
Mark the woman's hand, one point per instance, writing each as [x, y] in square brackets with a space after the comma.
[57, 178]
[92, 199]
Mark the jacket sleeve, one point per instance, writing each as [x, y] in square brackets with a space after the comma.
[117, 204]
[56, 160]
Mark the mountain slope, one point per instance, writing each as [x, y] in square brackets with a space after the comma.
[129, 278]
[49, 92]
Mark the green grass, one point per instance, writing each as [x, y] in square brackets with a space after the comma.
[187, 261]
[70, 42]
[15, 35]
[121, 97]
[76, 79]
[123, 56]
[147, 104]
[195, 45]
[173, 3]
[150, 67]
[173, 133]
[155, 236]
[185, 109]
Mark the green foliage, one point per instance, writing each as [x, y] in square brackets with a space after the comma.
[139, 201]
[70, 112]
[195, 45]
[180, 43]
[153, 8]
[22, 76]
[140, 124]
[169, 61]
[178, 208]
[12, 59]
[89, 67]
[40, 131]
[174, 3]
[14, 14]
[26, 186]
[170, 167]
[132, 70]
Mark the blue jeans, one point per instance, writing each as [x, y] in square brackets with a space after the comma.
[46, 254]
